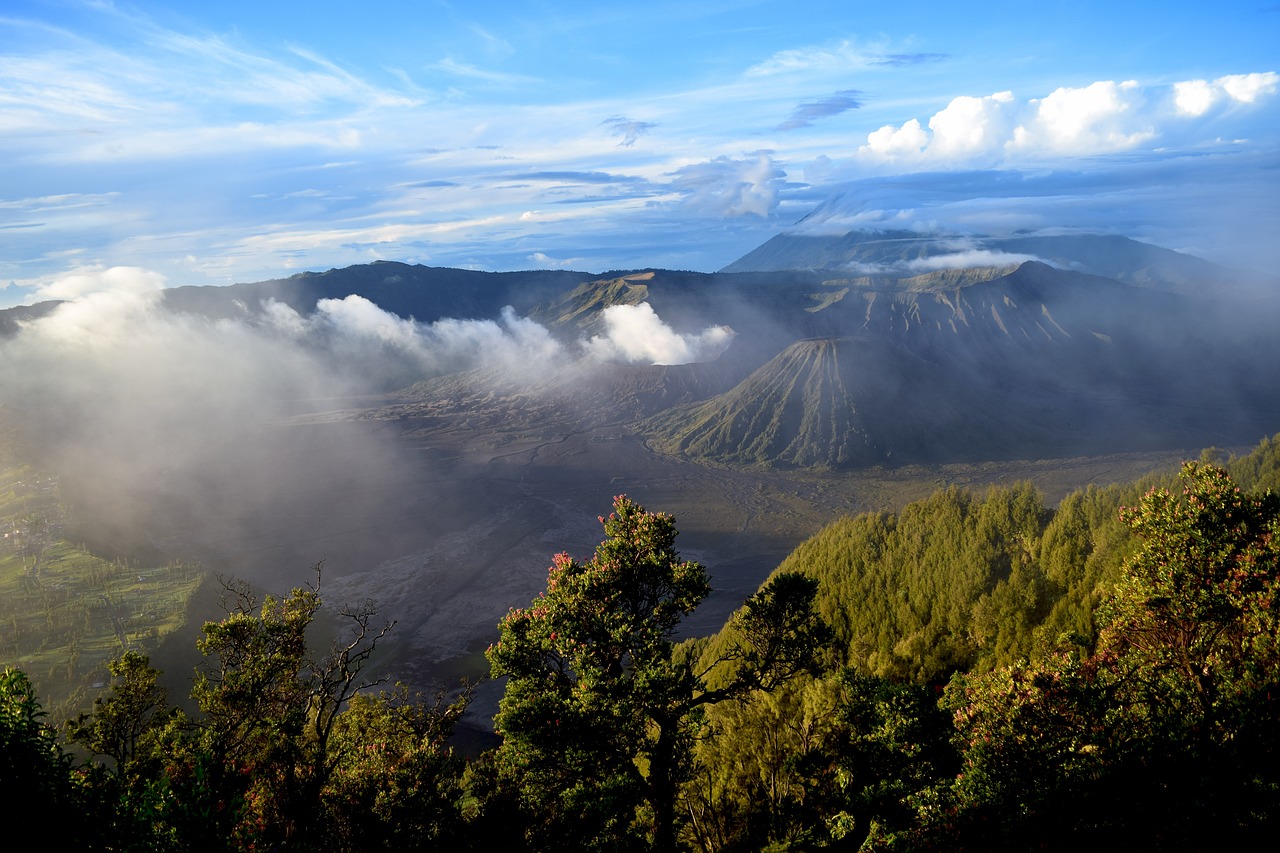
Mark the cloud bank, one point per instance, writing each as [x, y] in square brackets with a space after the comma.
[1104, 117]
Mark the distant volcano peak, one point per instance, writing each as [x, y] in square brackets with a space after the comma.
[905, 254]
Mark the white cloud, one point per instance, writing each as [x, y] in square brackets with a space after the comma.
[362, 318]
[1104, 117]
[966, 259]
[971, 125]
[1193, 97]
[1247, 88]
[356, 331]
[891, 142]
[841, 56]
[1196, 97]
[1097, 118]
[544, 260]
[636, 334]
[729, 187]
[91, 280]
[463, 69]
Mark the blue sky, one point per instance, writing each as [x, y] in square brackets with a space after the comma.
[197, 143]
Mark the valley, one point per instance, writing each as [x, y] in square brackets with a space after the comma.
[475, 515]
[433, 437]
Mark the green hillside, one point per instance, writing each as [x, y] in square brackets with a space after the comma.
[1007, 675]
[960, 581]
[65, 612]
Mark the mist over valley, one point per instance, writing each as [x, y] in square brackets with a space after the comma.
[435, 435]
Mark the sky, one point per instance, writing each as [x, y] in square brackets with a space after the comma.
[151, 144]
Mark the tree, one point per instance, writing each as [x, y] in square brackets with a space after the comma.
[1168, 734]
[894, 752]
[135, 727]
[37, 784]
[270, 709]
[1196, 614]
[601, 705]
[136, 706]
[287, 753]
[398, 784]
[765, 769]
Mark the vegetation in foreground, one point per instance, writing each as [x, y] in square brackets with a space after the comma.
[966, 674]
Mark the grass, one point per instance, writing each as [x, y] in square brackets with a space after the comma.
[65, 612]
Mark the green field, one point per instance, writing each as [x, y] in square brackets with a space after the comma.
[64, 612]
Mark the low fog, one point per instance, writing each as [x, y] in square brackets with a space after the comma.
[226, 440]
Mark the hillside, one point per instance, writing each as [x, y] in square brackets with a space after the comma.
[834, 402]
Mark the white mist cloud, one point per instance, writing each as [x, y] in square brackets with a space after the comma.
[369, 341]
[545, 261]
[966, 259]
[90, 280]
[637, 335]
[842, 56]
[155, 412]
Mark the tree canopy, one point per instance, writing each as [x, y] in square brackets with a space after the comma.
[601, 705]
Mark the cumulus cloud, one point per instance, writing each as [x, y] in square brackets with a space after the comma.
[1103, 117]
[971, 125]
[1100, 117]
[891, 142]
[1194, 98]
[635, 334]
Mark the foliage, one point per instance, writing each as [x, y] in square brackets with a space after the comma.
[397, 784]
[286, 751]
[270, 707]
[1114, 674]
[36, 780]
[894, 754]
[956, 582]
[1168, 730]
[136, 708]
[764, 768]
[601, 706]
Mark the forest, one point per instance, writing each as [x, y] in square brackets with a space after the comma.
[969, 672]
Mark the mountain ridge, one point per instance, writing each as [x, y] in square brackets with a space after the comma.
[1018, 355]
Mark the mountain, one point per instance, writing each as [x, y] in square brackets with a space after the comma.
[989, 363]
[409, 290]
[834, 402]
[863, 349]
[1112, 256]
